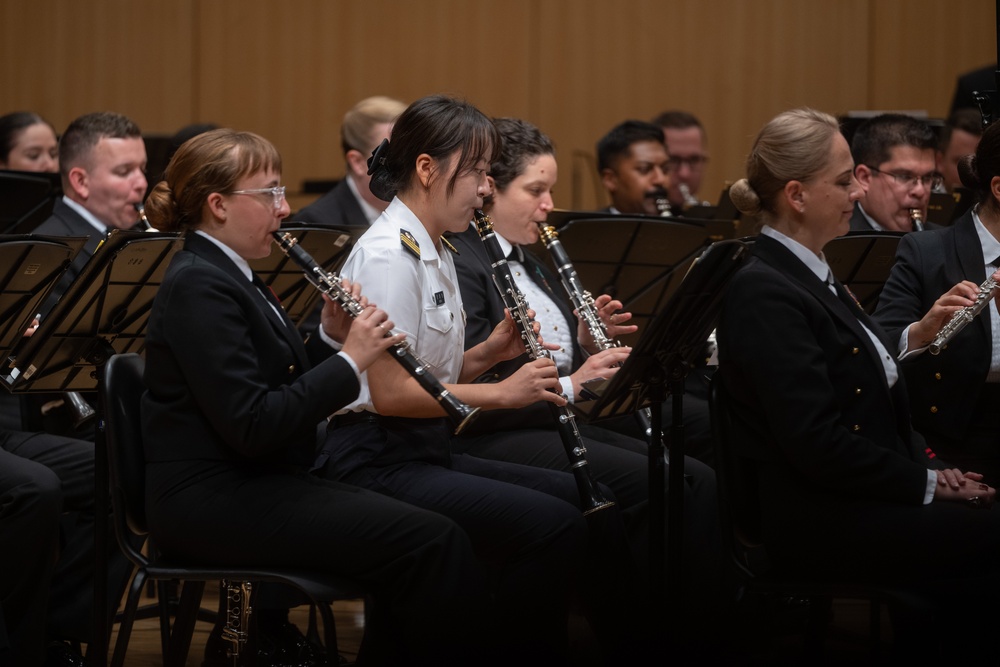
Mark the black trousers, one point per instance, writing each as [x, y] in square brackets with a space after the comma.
[430, 593]
[621, 464]
[524, 521]
[41, 476]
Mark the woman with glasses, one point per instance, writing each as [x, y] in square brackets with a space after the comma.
[525, 522]
[846, 491]
[232, 408]
[953, 395]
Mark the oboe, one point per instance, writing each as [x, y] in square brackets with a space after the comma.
[962, 317]
[590, 494]
[329, 283]
[583, 302]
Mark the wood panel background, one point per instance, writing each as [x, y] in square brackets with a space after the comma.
[290, 70]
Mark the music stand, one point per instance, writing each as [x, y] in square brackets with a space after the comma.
[637, 259]
[103, 312]
[329, 246]
[667, 350]
[862, 261]
[33, 266]
[28, 198]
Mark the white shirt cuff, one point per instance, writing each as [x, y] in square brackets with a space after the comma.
[567, 388]
[904, 346]
[332, 343]
[931, 485]
[346, 357]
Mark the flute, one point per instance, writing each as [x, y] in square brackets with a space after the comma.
[590, 494]
[329, 283]
[962, 317]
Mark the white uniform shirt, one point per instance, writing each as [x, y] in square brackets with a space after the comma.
[421, 295]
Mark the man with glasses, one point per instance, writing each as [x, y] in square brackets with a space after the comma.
[894, 164]
[686, 142]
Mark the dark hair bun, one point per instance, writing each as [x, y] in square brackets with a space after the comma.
[967, 172]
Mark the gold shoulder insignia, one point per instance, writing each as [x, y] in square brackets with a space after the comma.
[449, 246]
[409, 243]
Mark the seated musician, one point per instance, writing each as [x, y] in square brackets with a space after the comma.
[846, 489]
[954, 394]
[231, 410]
[522, 179]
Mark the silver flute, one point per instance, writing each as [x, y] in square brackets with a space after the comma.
[962, 318]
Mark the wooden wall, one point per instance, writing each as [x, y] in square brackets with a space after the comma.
[289, 70]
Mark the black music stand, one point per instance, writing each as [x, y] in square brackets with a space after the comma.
[862, 261]
[30, 266]
[103, 312]
[637, 259]
[28, 198]
[329, 246]
[667, 350]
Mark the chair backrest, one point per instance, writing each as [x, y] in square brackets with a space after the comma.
[122, 391]
[739, 503]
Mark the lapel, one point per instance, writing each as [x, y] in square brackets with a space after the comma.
[777, 255]
[282, 327]
[76, 226]
[969, 253]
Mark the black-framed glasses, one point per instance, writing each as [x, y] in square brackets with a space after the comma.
[908, 180]
[693, 162]
[277, 192]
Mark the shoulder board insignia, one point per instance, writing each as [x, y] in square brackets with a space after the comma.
[449, 246]
[409, 243]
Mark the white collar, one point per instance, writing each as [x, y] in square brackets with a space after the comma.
[371, 213]
[815, 263]
[86, 215]
[240, 263]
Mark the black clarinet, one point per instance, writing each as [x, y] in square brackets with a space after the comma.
[329, 283]
[583, 302]
[590, 494]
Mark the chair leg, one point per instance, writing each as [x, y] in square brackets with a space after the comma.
[180, 638]
[329, 631]
[128, 618]
[163, 588]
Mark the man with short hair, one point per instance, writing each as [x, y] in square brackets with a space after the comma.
[102, 161]
[959, 137]
[686, 143]
[633, 163]
[894, 164]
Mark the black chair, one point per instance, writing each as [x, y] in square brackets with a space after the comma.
[121, 392]
[739, 510]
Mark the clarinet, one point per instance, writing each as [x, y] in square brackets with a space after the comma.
[918, 219]
[964, 316]
[590, 494]
[583, 302]
[329, 283]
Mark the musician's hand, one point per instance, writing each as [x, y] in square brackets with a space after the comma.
[956, 486]
[504, 341]
[30, 330]
[922, 333]
[336, 322]
[614, 322]
[601, 365]
[366, 340]
[532, 382]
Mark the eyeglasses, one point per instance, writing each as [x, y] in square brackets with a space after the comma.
[277, 192]
[693, 162]
[907, 180]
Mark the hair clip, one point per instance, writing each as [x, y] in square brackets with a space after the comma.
[377, 160]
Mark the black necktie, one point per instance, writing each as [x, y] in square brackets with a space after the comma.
[515, 255]
[270, 298]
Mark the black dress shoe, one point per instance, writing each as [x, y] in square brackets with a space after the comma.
[61, 654]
